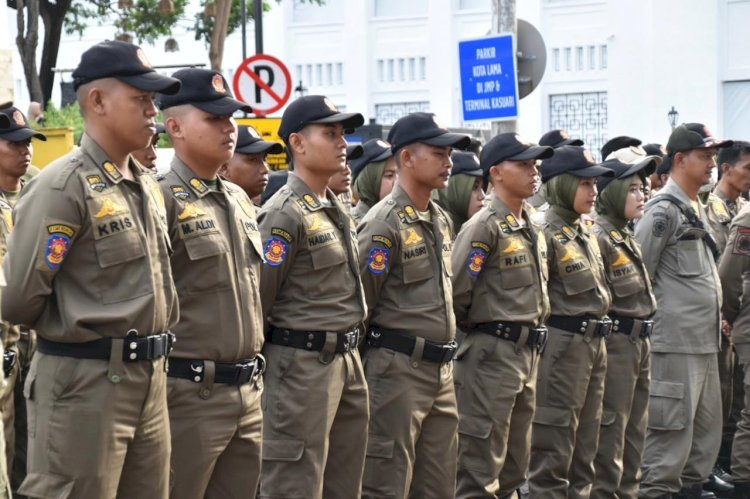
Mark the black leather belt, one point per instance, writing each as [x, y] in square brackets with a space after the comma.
[581, 325]
[511, 331]
[627, 325]
[313, 340]
[230, 374]
[9, 360]
[135, 348]
[439, 353]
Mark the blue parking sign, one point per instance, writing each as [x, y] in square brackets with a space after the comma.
[489, 87]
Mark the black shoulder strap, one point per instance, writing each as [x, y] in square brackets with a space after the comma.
[693, 220]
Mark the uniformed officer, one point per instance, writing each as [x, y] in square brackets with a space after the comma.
[723, 204]
[624, 412]
[214, 379]
[248, 167]
[147, 156]
[374, 175]
[315, 403]
[654, 180]
[16, 151]
[684, 433]
[88, 264]
[734, 272]
[464, 195]
[500, 300]
[341, 182]
[558, 138]
[570, 382]
[405, 247]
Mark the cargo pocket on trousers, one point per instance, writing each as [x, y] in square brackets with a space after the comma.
[478, 428]
[40, 486]
[283, 450]
[380, 447]
[666, 406]
[28, 393]
[608, 417]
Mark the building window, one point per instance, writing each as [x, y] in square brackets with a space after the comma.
[399, 8]
[556, 58]
[579, 58]
[339, 73]
[381, 70]
[602, 57]
[308, 71]
[592, 57]
[391, 72]
[401, 70]
[412, 69]
[422, 68]
[329, 74]
[483, 5]
[583, 115]
[568, 59]
[388, 114]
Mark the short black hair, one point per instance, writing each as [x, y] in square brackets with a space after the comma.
[731, 155]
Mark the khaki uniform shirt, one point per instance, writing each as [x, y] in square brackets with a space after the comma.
[359, 211]
[734, 272]
[406, 268]
[216, 263]
[9, 333]
[577, 283]
[684, 276]
[88, 257]
[629, 283]
[721, 211]
[500, 269]
[310, 280]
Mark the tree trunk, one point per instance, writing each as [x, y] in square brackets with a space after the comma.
[219, 33]
[27, 41]
[53, 16]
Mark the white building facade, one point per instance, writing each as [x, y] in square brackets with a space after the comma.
[613, 66]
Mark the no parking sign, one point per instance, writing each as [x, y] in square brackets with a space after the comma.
[264, 83]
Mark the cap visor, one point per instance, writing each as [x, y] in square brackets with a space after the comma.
[349, 121]
[153, 82]
[455, 140]
[224, 106]
[533, 152]
[22, 134]
[261, 146]
[570, 142]
[472, 173]
[648, 165]
[592, 171]
[354, 153]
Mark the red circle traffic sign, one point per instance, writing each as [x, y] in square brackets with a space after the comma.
[263, 82]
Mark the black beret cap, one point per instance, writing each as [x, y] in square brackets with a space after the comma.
[15, 128]
[424, 128]
[510, 146]
[124, 61]
[558, 138]
[312, 109]
[373, 150]
[249, 141]
[205, 89]
[465, 163]
[616, 143]
[690, 136]
[575, 160]
[354, 151]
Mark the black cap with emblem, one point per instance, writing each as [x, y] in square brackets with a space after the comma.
[315, 109]
[511, 147]
[205, 89]
[617, 143]
[14, 126]
[690, 136]
[125, 62]
[558, 138]
[424, 128]
[575, 160]
[465, 163]
[373, 151]
[249, 141]
[354, 151]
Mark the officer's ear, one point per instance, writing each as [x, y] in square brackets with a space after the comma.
[405, 157]
[297, 143]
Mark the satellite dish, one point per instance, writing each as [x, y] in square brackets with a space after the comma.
[531, 55]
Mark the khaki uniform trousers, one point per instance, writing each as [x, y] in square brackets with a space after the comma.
[726, 364]
[413, 440]
[217, 431]
[97, 428]
[314, 424]
[624, 418]
[741, 446]
[8, 407]
[5, 492]
[565, 434]
[684, 422]
[26, 347]
[496, 391]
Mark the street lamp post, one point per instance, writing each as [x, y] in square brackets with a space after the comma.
[300, 90]
[673, 115]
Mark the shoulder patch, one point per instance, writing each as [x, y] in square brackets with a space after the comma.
[660, 227]
[96, 183]
[58, 244]
[179, 192]
[378, 260]
[477, 257]
[480, 245]
[382, 240]
[742, 243]
[275, 251]
[278, 231]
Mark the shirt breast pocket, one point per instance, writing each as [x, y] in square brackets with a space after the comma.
[517, 278]
[418, 270]
[208, 264]
[579, 282]
[119, 248]
[627, 286]
[690, 262]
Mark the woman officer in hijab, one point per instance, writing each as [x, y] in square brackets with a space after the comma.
[374, 175]
[464, 195]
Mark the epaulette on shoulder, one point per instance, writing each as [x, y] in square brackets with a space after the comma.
[63, 169]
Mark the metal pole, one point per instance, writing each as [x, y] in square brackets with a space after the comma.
[504, 21]
[244, 29]
[258, 5]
